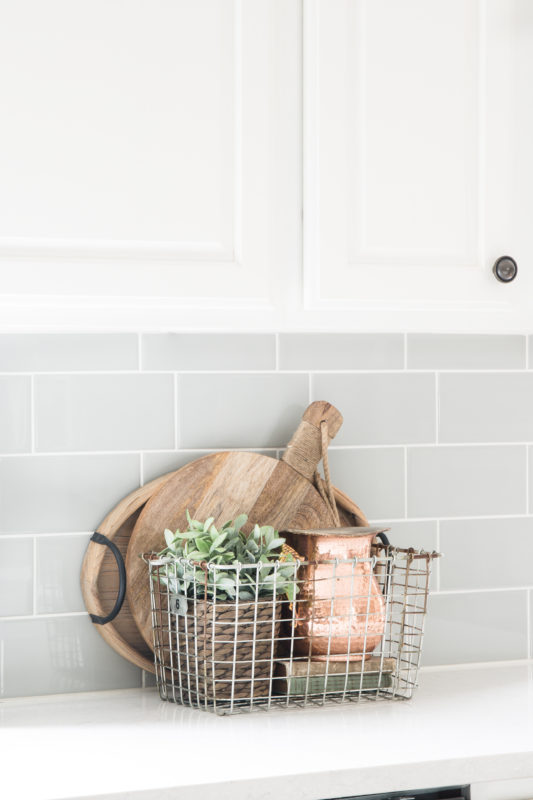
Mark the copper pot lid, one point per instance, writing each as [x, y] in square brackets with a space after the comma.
[348, 531]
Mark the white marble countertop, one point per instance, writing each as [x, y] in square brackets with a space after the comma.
[464, 725]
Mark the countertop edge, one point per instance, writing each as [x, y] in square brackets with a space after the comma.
[333, 784]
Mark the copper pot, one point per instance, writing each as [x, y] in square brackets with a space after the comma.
[340, 612]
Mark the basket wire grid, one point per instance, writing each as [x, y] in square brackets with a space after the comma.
[241, 655]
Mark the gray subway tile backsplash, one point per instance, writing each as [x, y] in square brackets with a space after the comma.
[465, 351]
[57, 571]
[205, 351]
[486, 407]
[383, 408]
[77, 444]
[156, 464]
[330, 351]
[420, 534]
[53, 655]
[530, 654]
[466, 481]
[476, 626]
[237, 410]
[530, 478]
[68, 352]
[373, 478]
[55, 494]
[486, 553]
[104, 412]
[15, 414]
[16, 576]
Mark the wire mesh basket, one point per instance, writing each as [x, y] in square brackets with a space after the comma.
[349, 631]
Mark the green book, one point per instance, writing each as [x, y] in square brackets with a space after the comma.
[314, 677]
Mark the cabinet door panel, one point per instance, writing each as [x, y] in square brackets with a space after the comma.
[415, 157]
[142, 151]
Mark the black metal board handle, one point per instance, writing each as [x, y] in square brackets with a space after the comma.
[386, 541]
[384, 538]
[99, 538]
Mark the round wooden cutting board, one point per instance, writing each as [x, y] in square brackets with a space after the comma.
[100, 579]
[224, 485]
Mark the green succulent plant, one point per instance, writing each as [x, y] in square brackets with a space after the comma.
[236, 558]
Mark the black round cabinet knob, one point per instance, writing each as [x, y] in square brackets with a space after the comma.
[505, 269]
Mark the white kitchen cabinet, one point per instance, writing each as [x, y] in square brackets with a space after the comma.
[418, 163]
[148, 160]
[265, 164]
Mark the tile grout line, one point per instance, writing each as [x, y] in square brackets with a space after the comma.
[437, 570]
[276, 345]
[527, 480]
[310, 387]
[442, 593]
[437, 407]
[527, 352]
[528, 623]
[34, 576]
[139, 352]
[233, 371]
[405, 482]
[405, 351]
[15, 617]
[42, 534]
[433, 518]
[356, 447]
[373, 520]
[168, 450]
[176, 416]
[484, 590]
[32, 413]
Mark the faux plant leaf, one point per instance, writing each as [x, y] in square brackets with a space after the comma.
[208, 523]
[275, 543]
[218, 541]
[169, 537]
[226, 583]
[196, 555]
[241, 520]
[290, 591]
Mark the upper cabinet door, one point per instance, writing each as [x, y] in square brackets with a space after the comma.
[148, 159]
[418, 124]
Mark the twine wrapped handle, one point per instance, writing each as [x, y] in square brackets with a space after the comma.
[324, 484]
[309, 445]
